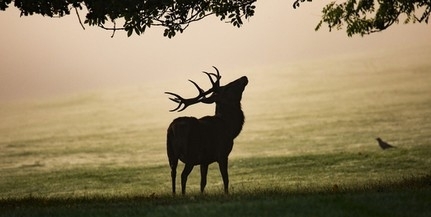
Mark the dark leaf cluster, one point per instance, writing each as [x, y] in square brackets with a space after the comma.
[136, 16]
[368, 16]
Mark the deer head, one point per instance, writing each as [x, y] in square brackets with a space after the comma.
[202, 95]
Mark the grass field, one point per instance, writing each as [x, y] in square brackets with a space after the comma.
[307, 149]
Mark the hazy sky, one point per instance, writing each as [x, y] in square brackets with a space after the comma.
[41, 56]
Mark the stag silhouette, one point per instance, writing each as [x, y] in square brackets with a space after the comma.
[208, 139]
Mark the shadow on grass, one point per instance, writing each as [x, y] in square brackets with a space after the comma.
[409, 196]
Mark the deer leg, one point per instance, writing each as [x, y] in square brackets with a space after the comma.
[187, 170]
[174, 174]
[223, 170]
[204, 172]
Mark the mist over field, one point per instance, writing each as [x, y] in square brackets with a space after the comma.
[44, 58]
[308, 141]
[332, 105]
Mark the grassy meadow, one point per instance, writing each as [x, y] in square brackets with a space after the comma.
[307, 148]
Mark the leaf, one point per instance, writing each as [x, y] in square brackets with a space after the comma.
[138, 32]
[318, 26]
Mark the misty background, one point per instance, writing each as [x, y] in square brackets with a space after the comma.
[43, 57]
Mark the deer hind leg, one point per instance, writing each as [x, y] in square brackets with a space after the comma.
[173, 165]
[224, 174]
[204, 172]
[187, 170]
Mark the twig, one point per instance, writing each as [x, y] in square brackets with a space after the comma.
[79, 18]
[115, 29]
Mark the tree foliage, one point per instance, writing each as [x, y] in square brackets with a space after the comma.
[137, 16]
[368, 16]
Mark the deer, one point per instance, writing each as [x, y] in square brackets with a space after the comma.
[208, 139]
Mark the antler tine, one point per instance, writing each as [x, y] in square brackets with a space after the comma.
[209, 76]
[178, 100]
[218, 77]
[218, 73]
[201, 91]
[185, 106]
[184, 103]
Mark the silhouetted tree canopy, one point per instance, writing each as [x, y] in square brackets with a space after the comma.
[138, 15]
[368, 16]
[358, 16]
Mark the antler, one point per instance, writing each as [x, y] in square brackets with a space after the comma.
[201, 96]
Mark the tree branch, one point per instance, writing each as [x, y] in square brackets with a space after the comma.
[79, 18]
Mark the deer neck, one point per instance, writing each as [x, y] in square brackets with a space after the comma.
[233, 116]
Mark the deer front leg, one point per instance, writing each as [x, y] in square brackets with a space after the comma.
[224, 174]
[187, 170]
[204, 172]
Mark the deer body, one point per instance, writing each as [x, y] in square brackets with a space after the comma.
[208, 139]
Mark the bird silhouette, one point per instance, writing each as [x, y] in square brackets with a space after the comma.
[384, 145]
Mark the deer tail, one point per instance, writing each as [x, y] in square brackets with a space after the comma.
[172, 154]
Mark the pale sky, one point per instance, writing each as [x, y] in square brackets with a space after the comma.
[41, 56]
